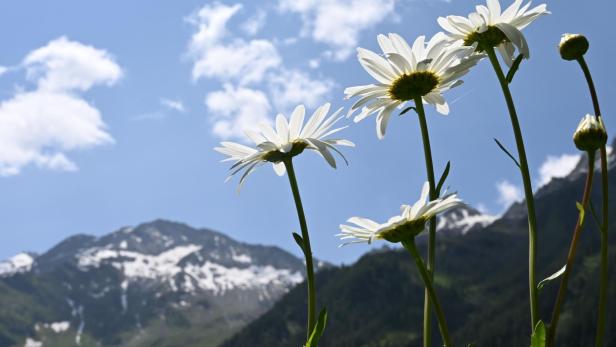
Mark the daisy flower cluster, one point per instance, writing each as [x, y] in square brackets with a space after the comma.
[405, 76]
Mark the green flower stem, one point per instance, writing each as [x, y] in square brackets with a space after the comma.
[603, 285]
[562, 290]
[528, 189]
[427, 321]
[425, 275]
[603, 282]
[312, 296]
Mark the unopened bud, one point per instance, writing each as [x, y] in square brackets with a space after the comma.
[573, 46]
[590, 134]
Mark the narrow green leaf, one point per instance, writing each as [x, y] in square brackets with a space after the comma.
[441, 181]
[408, 109]
[299, 241]
[514, 68]
[538, 338]
[582, 214]
[595, 216]
[507, 152]
[552, 277]
[313, 341]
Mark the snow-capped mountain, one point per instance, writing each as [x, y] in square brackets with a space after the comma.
[463, 219]
[137, 285]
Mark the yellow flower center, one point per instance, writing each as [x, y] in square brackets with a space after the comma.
[414, 85]
[405, 231]
[278, 156]
[490, 38]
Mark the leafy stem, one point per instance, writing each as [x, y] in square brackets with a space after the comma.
[306, 249]
[423, 124]
[603, 285]
[411, 247]
[528, 189]
[562, 290]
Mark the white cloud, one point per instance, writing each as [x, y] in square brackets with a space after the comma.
[338, 23]
[239, 60]
[234, 110]
[289, 88]
[254, 78]
[556, 167]
[39, 126]
[211, 22]
[175, 105]
[64, 65]
[314, 63]
[508, 193]
[255, 23]
[246, 62]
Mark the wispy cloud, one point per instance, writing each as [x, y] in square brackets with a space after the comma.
[338, 23]
[174, 105]
[556, 167]
[234, 110]
[508, 193]
[289, 88]
[255, 23]
[41, 125]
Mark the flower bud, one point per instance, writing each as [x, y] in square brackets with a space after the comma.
[573, 46]
[590, 134]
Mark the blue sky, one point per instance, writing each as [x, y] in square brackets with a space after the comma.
[111, 109]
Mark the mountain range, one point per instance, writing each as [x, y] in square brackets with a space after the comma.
[158, 284]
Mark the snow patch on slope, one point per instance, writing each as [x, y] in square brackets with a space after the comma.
[241, 258]
[218, 279]
[138, 265]
[56, 327]
[33, 343]
[19, 263]
[462, 220]
[209, 276]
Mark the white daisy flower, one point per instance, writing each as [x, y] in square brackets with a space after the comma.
[404, 73]
[489, 27]
[289, 139]
[410, 223]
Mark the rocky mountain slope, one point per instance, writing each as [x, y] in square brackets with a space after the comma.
[160, 283]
